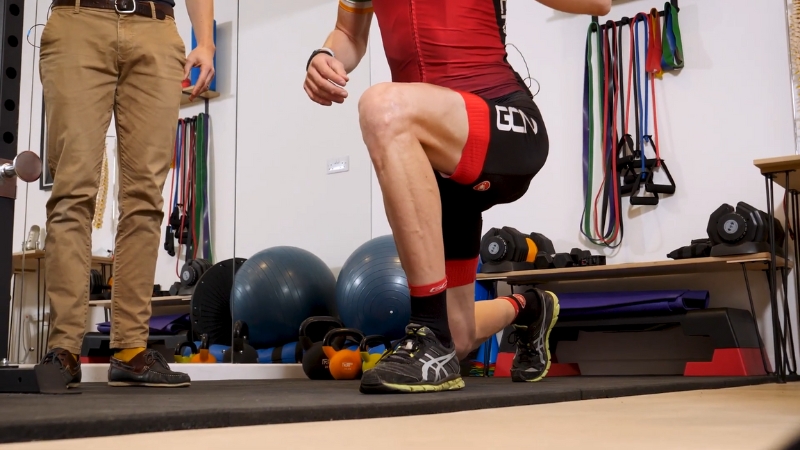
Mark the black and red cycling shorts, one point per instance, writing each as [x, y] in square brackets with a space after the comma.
[507, 146]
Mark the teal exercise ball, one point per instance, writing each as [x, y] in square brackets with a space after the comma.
[277, 289]
[372, 292]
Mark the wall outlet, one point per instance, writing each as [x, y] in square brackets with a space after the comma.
[337, 165]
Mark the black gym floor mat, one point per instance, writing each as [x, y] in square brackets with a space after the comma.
[105, 411]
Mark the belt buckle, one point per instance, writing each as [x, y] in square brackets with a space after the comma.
[125, 11]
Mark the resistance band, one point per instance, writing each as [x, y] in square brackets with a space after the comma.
[643, 137]
[174, 218]
[189, 221]
[610, 181]
[672, 48]
[626, 152]
[203, 226]
[607, 54]
[654, 71]
[642, 111]
[626, 168]
[588, 131]
[654, 47]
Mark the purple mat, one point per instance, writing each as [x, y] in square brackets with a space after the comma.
[635, 302]
[167, 324]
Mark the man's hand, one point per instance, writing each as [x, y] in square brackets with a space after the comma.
[202, 57]
[323, 72]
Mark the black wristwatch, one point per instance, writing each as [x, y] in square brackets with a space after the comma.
[317, 52]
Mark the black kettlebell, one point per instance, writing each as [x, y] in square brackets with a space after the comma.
[312, 332]
[243, 353]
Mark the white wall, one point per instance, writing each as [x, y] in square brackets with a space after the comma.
[791, 6]
[284, 195]
[715, 117]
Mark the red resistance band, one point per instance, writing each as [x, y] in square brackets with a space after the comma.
[653, 67]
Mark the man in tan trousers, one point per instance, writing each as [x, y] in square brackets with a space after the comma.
[125, 57]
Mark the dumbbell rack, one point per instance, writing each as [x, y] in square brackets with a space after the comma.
[764, 262]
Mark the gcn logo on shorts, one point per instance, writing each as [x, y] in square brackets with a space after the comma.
[483, 186]
[506, 121]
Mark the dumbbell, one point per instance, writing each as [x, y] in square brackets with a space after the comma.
[557, 261]
[193, 270]
[509, 244]
[96, 282]
[543, 261]
[726, 226]
[598, 260]
[743, 224]
[581, 257]
[543, 243]
[563, 260]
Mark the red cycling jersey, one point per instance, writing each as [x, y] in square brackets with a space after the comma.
[458, 44]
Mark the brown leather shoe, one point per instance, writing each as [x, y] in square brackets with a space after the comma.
[70, 367]
[148, 368]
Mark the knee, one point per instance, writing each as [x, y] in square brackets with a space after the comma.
[383, 112]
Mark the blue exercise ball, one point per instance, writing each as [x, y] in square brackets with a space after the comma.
[372, 290]
[277, 289]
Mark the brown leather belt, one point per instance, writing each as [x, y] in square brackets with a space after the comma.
[141, 8]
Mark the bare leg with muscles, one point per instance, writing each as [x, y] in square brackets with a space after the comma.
[448, 142]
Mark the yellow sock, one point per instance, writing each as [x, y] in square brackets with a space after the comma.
[127, 354]
[77, 357]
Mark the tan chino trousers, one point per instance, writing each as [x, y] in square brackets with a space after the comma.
[94, 62]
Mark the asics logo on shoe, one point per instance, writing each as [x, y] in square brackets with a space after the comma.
[437, 365]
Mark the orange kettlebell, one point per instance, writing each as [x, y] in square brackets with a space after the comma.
[203, 355]
[344, 364]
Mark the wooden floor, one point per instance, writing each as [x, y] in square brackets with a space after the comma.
[751, 418]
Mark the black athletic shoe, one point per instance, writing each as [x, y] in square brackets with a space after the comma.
[419, 363]
[532, 359]
[69, 367]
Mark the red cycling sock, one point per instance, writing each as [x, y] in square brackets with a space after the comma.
[518, 301]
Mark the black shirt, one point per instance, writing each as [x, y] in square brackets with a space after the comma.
[166, 2]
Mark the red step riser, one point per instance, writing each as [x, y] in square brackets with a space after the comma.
[728, 362]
